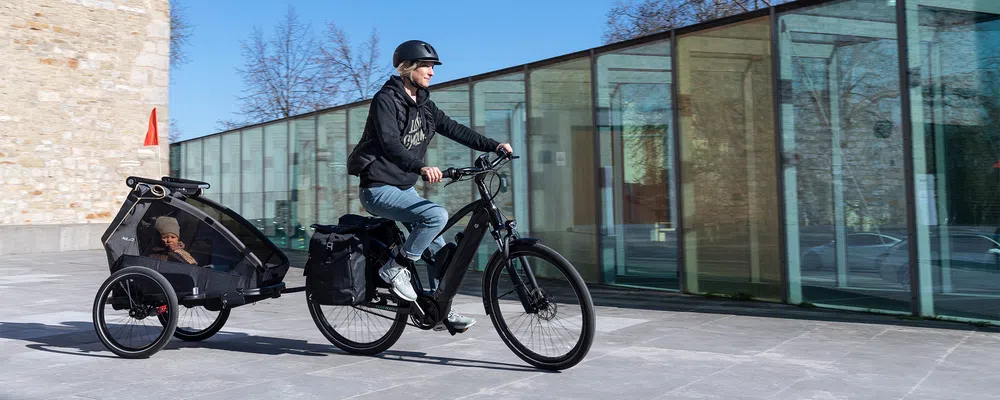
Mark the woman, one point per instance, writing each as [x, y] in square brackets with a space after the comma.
[401, 122]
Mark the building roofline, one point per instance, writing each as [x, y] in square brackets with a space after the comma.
[522, 68]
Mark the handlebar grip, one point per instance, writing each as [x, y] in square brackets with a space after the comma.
[200, 184]
[448, 173]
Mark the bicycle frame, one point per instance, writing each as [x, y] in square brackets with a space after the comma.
[486, 217]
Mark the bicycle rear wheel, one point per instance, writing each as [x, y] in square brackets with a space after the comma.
[365, 329]
[559, 334]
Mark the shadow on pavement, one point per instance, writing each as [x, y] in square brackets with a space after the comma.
[79, 339]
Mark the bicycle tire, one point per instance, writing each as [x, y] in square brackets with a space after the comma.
[169, 298]
[495, 267]
[360, 348]
[199, 335]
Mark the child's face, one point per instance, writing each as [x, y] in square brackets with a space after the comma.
[170, 239]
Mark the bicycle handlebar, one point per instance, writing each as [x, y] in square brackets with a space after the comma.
[458, 173]
[175, 183]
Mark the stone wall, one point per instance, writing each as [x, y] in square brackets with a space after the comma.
[78, 79]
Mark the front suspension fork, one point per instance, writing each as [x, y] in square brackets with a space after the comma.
[524, 293]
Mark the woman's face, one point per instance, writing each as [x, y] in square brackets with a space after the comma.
[422, 75]
[170, 240]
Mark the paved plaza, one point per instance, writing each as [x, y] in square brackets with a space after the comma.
[649, 345]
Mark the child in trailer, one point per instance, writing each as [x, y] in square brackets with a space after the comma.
[173, 247]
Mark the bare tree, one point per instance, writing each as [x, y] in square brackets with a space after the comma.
[358, 71]
[628, 19]
[283, 74]
[180, 32]
[175, 132]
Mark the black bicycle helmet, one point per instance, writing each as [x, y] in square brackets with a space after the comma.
[414, 50]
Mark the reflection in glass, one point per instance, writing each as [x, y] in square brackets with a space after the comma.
[230, 180]
[210, 166]
[956, 130]
[192, 159]
[331, 157]
[444, 153]
[499, 112]
[302, 169]
[277, 208]
[176, 159]
[844, 171]
[728, 175]
[635, 121]
[561, 163]
[356, 117]
[252, 196]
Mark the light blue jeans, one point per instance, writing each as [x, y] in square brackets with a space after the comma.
[422, 217]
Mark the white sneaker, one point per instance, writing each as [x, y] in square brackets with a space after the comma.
[399, 278]
[458, 321]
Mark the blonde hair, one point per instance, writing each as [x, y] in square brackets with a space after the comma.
[406, 68]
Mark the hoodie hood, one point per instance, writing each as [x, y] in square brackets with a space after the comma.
[395, 84]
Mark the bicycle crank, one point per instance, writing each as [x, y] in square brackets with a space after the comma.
[424, 312]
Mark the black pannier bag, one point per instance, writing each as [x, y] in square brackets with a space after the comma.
[336, 268]
[343, 263]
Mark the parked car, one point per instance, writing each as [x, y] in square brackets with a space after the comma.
[863, 249]
[974, 260]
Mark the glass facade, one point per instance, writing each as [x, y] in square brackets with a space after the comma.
[728, 182]
[561, 163]
[843, 140]
[637, 176]
[842, 153]
[955, 108]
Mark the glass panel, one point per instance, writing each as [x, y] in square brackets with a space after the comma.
[445, 153]
[500, 114]
[252, 197]
[956, 130]
[192, 159]
[302, 171]
[356, 118]
[561, 161]
[844, 174]
[331, 155]
[211, 165]
[638, 185]
[728, 178]
[176, 159]
[230, 181]
[277, 205]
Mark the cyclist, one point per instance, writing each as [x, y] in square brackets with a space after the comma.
[401, 122]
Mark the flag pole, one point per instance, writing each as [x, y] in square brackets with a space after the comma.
[159, 162]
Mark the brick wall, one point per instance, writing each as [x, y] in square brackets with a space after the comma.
[78, 79]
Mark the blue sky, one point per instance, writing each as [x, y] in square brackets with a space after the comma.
[472, 37]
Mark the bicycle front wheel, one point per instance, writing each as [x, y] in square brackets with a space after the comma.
[548, 321]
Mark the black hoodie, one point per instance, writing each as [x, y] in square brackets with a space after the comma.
[397, 132]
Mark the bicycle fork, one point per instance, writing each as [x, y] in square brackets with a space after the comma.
[525, 294]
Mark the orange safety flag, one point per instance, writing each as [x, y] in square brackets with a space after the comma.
[152, 134]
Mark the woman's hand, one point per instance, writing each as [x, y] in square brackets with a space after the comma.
[505, 146]
[433, 174]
